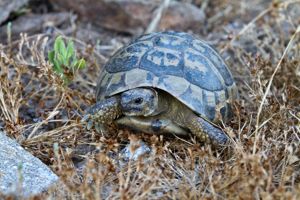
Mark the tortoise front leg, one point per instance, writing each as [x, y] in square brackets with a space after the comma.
[103, 113]
[205, 131]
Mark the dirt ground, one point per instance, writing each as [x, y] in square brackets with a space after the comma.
[260, 42]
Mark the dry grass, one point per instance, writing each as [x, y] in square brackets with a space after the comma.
[263, 162]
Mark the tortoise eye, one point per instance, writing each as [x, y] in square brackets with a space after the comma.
[138, 101]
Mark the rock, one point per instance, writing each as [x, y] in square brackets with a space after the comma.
[182, 16]
[134, 150]
[34, 23]
[22, 174]
[133, 16]
[123, 16]
[8, 6]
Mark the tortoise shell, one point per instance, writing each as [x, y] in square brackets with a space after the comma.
[186, 67]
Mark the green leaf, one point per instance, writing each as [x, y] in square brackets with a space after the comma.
[70, 51]
[59, 46]
[74, 62]
[51, 56]
[80, 64]
[57, 67]
[60, 60]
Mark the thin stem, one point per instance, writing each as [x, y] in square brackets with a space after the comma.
[257, 126]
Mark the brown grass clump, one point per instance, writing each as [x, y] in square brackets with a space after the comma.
[262, 163]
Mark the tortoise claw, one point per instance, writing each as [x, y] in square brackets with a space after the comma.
[85, 118]
[89, 124]
[98, 128]
[102, 114]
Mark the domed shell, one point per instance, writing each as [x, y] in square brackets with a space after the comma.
[187, 68]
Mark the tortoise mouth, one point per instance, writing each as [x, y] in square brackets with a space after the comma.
[130, 111]
[137, 111]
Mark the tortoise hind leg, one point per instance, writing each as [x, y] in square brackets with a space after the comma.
[205, 131]
[103, 113]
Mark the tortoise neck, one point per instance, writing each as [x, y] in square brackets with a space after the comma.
[163, 104]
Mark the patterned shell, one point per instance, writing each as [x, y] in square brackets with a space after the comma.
[176, 62]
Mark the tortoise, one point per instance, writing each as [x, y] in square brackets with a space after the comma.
[165, 82]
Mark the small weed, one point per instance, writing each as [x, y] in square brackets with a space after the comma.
[64, 60]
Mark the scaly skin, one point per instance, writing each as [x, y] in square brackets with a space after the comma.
[202, 129]
[103, 113]
[205, 131]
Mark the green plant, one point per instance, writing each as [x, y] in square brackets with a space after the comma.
[64, 60]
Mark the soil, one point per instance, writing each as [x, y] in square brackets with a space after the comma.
[259, 40]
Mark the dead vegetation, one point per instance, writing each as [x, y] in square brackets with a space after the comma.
[260, 42]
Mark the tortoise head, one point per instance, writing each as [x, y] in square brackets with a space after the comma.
[139, 102]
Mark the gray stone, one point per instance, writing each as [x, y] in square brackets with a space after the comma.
[34, 23]
[22, 174]
[133, 16]
[141, 150]
[8, 6]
